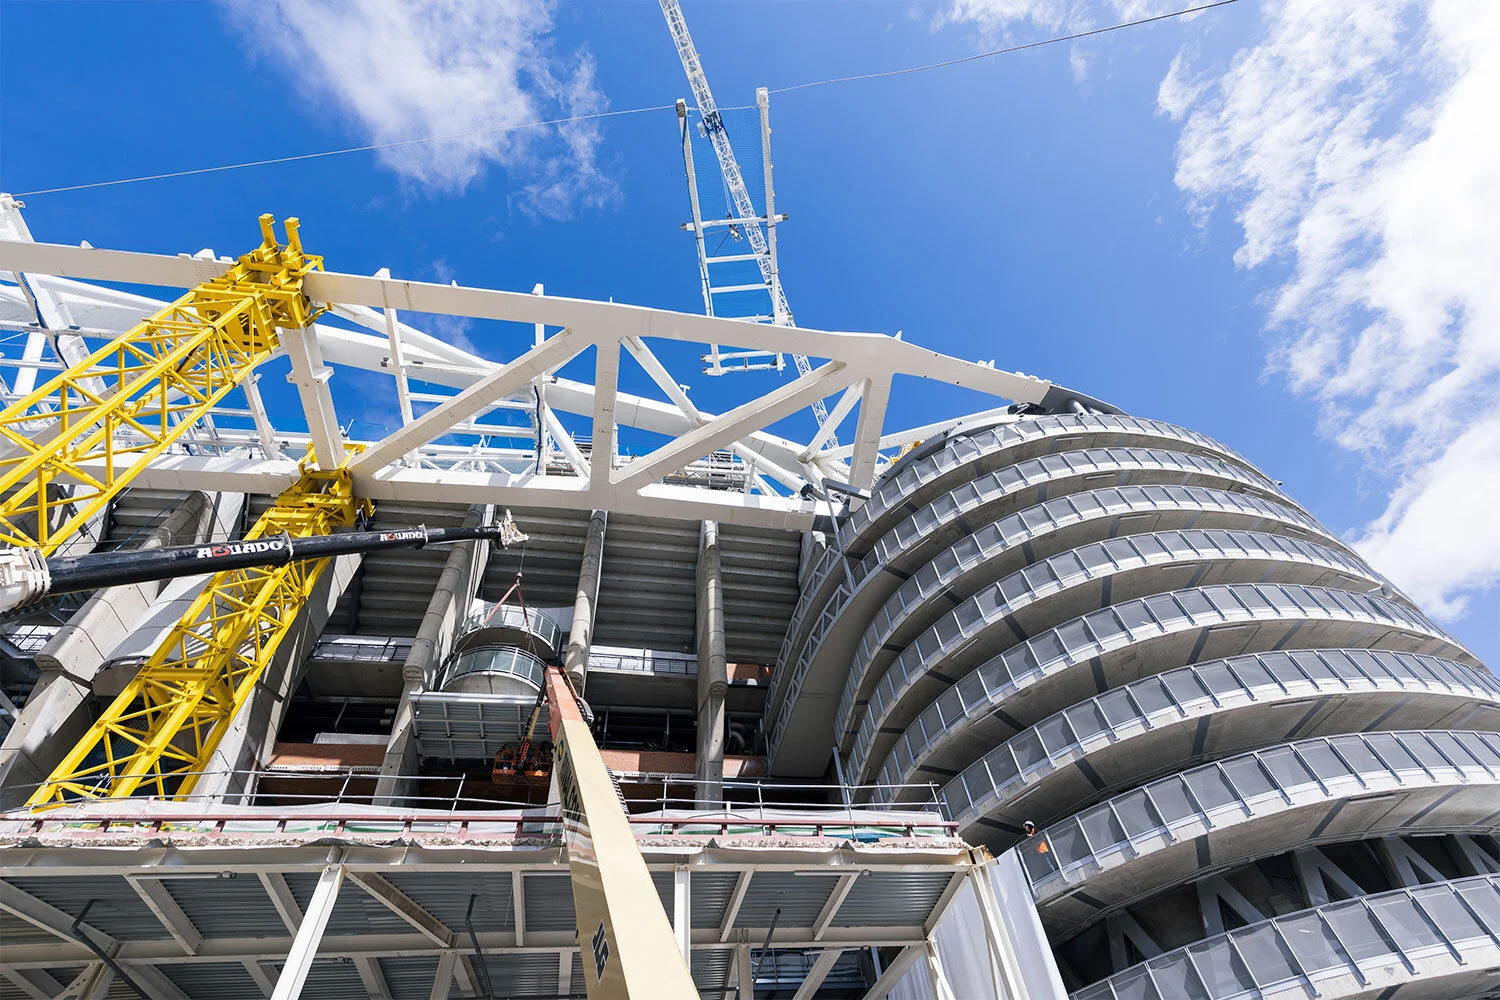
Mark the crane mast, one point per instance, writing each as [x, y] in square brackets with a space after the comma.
[734, 182]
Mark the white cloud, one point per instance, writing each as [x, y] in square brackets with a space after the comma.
[401, 69]
[1354, 141]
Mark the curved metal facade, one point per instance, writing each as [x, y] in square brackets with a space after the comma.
[1121, 632]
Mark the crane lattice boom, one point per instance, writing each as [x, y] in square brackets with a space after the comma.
[734, 181]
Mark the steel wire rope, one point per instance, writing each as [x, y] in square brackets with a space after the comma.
[502, 129]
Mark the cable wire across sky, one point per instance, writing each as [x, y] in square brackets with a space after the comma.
[521, 126]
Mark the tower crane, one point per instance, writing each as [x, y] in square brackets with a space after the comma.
[746, 218]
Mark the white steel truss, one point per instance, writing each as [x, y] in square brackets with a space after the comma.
[724, 466]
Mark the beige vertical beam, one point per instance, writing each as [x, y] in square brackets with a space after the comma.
[713, 670]
[585, 601]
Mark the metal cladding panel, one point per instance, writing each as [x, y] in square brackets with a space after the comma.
[711, 970]
[523, 975]
[578, 979]
[409, 978]
[711, 894]
[648, 583]
[355, 911]
[549, 903]
[759, 567]
[212, 980]
[9, 991]
[553, 554]
[14, 930]
[237, 907]
[117, 910]
[896, 899]
[330, 979]
[446, 896]
[799, 897]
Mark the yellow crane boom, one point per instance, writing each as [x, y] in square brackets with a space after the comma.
[161, 731]
[69, 447]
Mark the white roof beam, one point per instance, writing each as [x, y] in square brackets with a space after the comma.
[403, 906]
[605, 318]
[877, 395]
[281, 897]
[35, 983]
[835, 417]
[155, 982]
[606, 388]
[310, 375]
[154, 894]
[45, 916]
[830, 908]
[436, 421]
[815, 975]
[732, 425]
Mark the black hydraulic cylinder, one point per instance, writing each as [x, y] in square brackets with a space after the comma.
[112, 569]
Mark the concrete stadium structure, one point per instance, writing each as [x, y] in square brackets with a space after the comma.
[1051, 700]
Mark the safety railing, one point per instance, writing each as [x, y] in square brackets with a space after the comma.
[1386, 938]
[1255, 785]
[503, 661]
[1122, 625]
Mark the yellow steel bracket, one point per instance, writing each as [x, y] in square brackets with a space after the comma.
[160, 734]
[69, 447]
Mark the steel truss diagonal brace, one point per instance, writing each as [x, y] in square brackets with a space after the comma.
[161, 732]
[155, 381]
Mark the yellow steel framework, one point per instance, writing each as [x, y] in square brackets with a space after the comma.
[159, 734]
[70, 446]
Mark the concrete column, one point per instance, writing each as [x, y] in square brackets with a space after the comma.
[581, 632]
[713, 669]
[54, 718]
[445, 612]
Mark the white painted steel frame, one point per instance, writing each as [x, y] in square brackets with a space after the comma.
[408, 466]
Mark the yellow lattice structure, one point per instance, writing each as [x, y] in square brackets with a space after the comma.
[70, 446]
[158, 735]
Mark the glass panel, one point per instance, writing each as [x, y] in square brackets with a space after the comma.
[1067, 565]
[1358, 933]
[1247, 776]
[1037, 858]
[1265, 955]
[1209, 787]
[1171, 800]
[1094, 557]
[1194, 602]
[1423, 751]
[1404, 923]
[1150, 696]
[1133, 984]
[1252, 600]
[1135, 615]
[1087, 720]
[1149, 547]
[1121, 552]
[1485, 899]
[1312, 943]
[1354, 750]
[1028, 749]
[1055, 734]
[1476, 745]
[1175, 978]
[1116, 707]
[1393, 752]
[1068, 842]
[1104, 625]
[1047, 647]
[1221, 968]
[1102, 827]
[1075, 636]
[1449, 914]
[1164, 608]
[1184, 686]
[1136, 813]
[1323, 761]
[1219, 679]
[1288, 770]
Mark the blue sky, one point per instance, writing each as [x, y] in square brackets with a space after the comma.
[1091, 213]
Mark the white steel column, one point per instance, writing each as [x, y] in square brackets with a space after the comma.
[895, 972]
[310, 375]
[398, 361]
[305, 945]
[682, 911]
